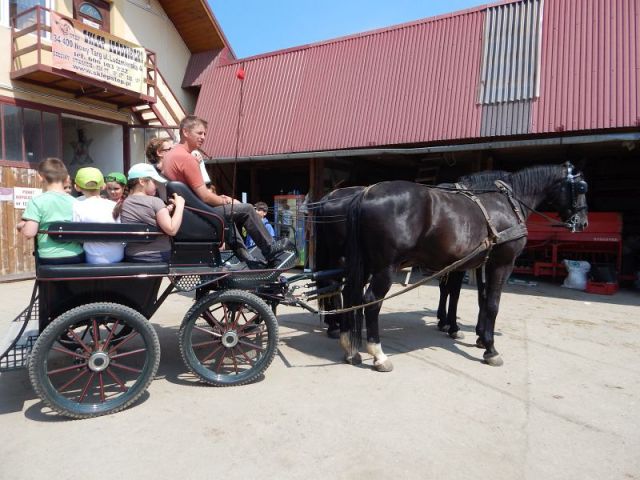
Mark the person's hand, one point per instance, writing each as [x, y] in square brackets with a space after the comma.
[227, 200]
[176, 200]
[20, 225]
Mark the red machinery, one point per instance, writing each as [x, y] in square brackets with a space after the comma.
[547, 246]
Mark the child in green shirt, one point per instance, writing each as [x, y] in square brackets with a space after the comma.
[54, 205]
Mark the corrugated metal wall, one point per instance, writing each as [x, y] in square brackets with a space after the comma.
[413, 83]
[591, 61]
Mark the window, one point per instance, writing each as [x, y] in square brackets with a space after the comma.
[29, 135]
[12, 123]
[94, 13]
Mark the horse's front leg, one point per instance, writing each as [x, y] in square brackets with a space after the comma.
[482, 314]
[378, 288]
[496, 278]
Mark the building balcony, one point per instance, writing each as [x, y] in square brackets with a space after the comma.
[54, 51]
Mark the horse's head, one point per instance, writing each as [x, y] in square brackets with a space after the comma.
[570, 200]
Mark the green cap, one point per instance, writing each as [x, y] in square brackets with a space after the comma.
[89, 178]
[116, 177]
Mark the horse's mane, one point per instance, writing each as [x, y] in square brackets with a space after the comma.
[529, 180]
[483, 178]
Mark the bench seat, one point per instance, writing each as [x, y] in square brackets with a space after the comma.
[86, 270]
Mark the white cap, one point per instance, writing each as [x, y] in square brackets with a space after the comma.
[144, 170]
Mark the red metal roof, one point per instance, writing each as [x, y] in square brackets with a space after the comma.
[591, 60]
[412, 83]
[418, 83]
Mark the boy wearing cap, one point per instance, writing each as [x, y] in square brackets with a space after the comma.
[95, 209]
[54, 205]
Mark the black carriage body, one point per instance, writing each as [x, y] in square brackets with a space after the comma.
[62, 293]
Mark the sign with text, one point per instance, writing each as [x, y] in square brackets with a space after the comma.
[22, 195]
[93, 53]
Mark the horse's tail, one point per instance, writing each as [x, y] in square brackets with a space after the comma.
[354, 282]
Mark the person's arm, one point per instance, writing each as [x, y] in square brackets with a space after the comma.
[193, 179]
[170, 224]
[210, 198]
[28, 228]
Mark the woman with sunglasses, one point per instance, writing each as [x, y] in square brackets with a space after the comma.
[156, 149]
[116, 184]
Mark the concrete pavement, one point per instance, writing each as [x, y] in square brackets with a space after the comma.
[566, 404]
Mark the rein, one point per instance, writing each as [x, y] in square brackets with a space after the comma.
[485, 245]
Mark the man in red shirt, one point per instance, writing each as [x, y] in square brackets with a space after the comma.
[179, 165]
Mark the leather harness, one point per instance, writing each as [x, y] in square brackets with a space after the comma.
[495, 237]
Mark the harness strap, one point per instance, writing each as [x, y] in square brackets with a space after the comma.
[508, 191]
[492, 229]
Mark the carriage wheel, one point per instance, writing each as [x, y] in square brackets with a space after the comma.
[229, 338]
[100, 376]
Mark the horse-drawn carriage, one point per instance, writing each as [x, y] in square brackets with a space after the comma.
[85, 335]
[94, 352]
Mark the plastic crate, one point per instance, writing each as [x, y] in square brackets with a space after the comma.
[601, 288]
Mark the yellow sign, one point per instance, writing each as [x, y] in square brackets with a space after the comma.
[93, 53]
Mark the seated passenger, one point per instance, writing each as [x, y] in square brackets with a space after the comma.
[261, 210]
[54, 205]
[142, 206]
[155, 151]
[96, 209]
[180, 165]
[116, 184]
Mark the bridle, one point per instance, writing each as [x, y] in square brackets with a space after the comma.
[576, 186]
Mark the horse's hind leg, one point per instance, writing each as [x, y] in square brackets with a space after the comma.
[351, 354]
[455, 285]
[442, 304]
[378, 288]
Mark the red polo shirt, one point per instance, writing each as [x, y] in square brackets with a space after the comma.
[180, 166]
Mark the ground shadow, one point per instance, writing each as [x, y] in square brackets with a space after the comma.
[401, 332]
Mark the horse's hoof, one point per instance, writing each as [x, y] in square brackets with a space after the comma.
[385, 366]
[457, 335]
[333, 333]
[480, 343]
[443, 328]
[494, 360]
[354, 359]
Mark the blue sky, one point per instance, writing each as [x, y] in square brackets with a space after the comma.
[258, 26]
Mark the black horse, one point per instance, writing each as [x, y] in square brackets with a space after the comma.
[451, 284]
[395, 224]
[330, 215]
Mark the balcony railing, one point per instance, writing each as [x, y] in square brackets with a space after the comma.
[32, 60]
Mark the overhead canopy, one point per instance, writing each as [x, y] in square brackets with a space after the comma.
[196, 24]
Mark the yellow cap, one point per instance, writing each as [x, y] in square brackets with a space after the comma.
[89, 178]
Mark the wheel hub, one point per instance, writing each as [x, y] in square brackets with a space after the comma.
[230, 339]
[98, 361]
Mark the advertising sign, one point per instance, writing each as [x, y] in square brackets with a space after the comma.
[93, 53]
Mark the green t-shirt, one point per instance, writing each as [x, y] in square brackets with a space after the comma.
[45, 209]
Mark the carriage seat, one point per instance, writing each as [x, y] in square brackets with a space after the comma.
[86, 270]
[101, 232]
[200, 225]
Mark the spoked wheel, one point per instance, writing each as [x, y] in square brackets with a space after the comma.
[229, 338]
[104, 369]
